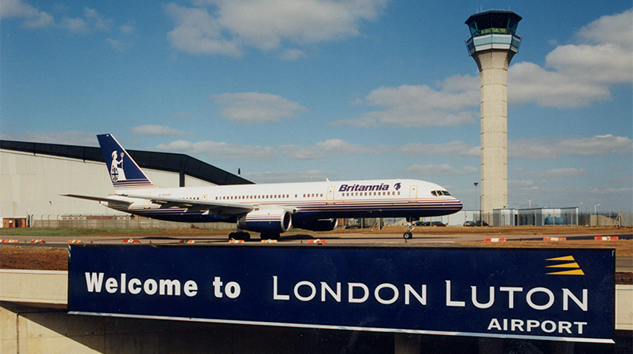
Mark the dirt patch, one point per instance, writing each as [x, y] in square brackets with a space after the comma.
[40, 258]
[623, 278]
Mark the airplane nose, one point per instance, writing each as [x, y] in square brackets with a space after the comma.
[458, 204]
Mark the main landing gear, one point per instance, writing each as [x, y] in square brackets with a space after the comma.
[240, 235]
[269, 236]
[408, 234]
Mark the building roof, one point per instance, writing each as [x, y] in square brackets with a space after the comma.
[493, 18]
[164, 161]
[495, 15]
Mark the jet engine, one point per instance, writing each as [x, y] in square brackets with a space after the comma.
[316, 224]
[269, 221]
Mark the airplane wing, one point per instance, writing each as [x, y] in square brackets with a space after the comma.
[98, 199]
[214, 207]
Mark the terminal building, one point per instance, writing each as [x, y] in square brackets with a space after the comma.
[34, 176]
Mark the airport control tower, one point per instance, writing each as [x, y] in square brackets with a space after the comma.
[492, 44]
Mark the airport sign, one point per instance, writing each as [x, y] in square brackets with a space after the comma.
[551, 294]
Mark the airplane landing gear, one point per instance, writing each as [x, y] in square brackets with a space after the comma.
[269, 236]
[240, 235]
[408, 234]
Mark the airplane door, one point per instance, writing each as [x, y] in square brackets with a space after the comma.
[329, 196]
[413, 194]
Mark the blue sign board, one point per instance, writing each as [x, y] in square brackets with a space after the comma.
[553, 294]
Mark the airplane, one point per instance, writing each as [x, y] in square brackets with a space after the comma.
[269, 209]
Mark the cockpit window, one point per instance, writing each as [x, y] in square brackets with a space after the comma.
[440, 193]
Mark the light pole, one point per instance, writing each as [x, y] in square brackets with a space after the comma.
[594, 209]
[529, 202]
[478, 205]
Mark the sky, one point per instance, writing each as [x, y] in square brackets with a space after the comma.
[304, 90]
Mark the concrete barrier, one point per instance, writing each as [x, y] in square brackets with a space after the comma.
[37, 287]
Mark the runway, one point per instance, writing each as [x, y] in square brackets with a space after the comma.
[369, 239]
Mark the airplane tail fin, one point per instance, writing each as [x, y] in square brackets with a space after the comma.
[124, 172]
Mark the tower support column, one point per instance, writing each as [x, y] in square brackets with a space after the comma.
[493, 74]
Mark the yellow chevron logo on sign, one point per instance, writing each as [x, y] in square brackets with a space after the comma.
[569, 263]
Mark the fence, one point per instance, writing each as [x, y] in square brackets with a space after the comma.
[548, 217]
[116, 222]
[607, 219]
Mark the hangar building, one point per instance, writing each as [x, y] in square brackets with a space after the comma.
[34, 176]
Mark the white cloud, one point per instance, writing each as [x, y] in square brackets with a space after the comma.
[450, 148]
[97, 20]
[182, 115]
[443, 169]
[292, 54]
[297, 152]
[602, 64]
[528, 82]
[158, 130]
[337, 146]
[521, 184]
[197, 32]
[324, 149]
[564, 173]
[75, 25]
[583, 72]
[285, 176]
[610, 29]
[127, 28]
[220, 150]
[227, 26]
[552, 148]
[117, 45]
[33, 18]
[253, 107]
[417, 106]
[90, 21]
